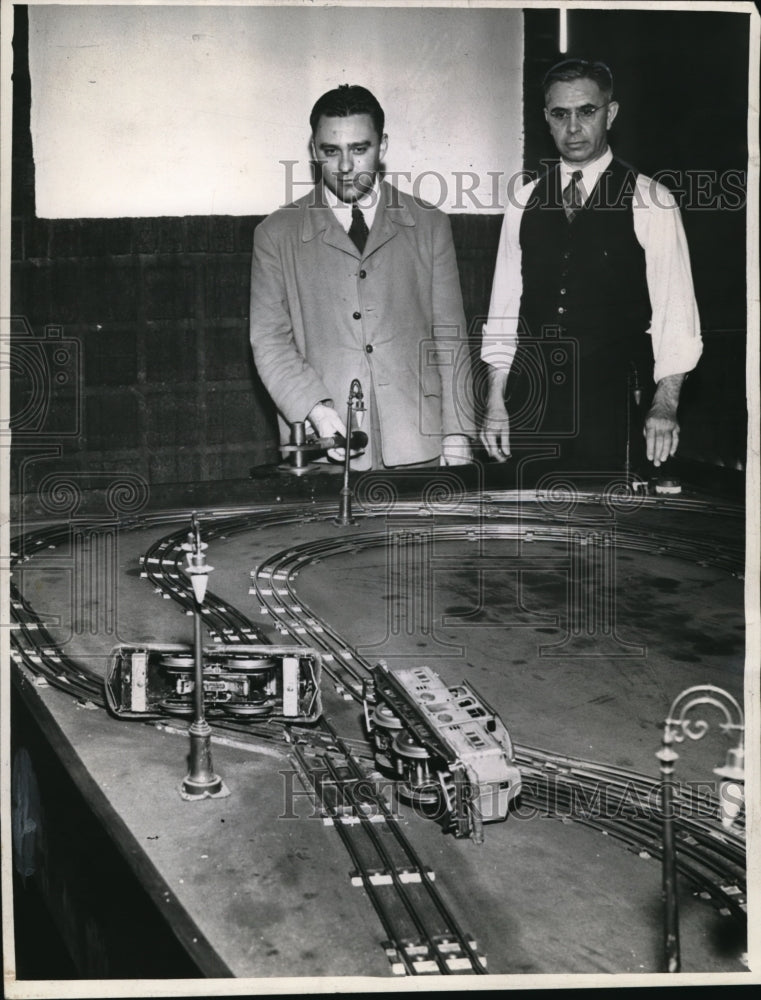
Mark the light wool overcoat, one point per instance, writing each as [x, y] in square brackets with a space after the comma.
[322, 314]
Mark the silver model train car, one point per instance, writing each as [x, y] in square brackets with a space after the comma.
[448, 749]
[239, 681]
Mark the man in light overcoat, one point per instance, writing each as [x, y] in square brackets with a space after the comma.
[358, 280]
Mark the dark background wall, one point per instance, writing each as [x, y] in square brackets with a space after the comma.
[152, 314]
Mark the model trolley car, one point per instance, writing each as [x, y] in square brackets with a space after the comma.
[240, 681]
[449, 751]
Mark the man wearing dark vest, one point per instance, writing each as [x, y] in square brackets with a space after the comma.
[592, 299]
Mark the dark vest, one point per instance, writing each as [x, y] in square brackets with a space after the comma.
[586, 279]
[585, 312]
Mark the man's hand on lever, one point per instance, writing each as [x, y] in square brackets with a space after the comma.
[326, 423]
[661, 428]
[495, 433]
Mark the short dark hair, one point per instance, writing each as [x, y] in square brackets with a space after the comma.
[348, 100]
[580, 69]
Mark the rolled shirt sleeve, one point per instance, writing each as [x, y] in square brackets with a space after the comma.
[675, 323]
[500, 332]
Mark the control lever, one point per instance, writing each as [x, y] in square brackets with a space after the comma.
[357, 441]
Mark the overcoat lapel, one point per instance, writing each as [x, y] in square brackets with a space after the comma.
[390, 214]
[319, 219]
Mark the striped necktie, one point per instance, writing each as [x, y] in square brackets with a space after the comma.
[572, 196]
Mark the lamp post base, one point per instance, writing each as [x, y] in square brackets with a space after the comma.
[344, 516]
[209, 788]
[201, 782]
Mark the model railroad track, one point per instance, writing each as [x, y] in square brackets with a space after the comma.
[423, 936]
[625, 805]
[31, 641]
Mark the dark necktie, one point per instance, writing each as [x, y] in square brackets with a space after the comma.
[358, 230]
[572, 196]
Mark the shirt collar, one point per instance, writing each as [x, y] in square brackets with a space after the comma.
[590, 174]
[342, 209]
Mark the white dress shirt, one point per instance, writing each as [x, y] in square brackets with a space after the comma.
[368, 203]
[675, 324]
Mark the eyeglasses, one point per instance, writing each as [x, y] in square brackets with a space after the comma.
[584, 114]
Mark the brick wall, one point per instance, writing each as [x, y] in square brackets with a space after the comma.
[158, 309]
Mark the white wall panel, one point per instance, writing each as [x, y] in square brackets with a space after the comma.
[143, 110]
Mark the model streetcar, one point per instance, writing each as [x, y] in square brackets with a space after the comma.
[239, 681]
[449, 751]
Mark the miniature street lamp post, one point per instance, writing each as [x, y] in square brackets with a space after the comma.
[201, 782]
[732, 774]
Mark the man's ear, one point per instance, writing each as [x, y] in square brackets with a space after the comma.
[612, 110]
